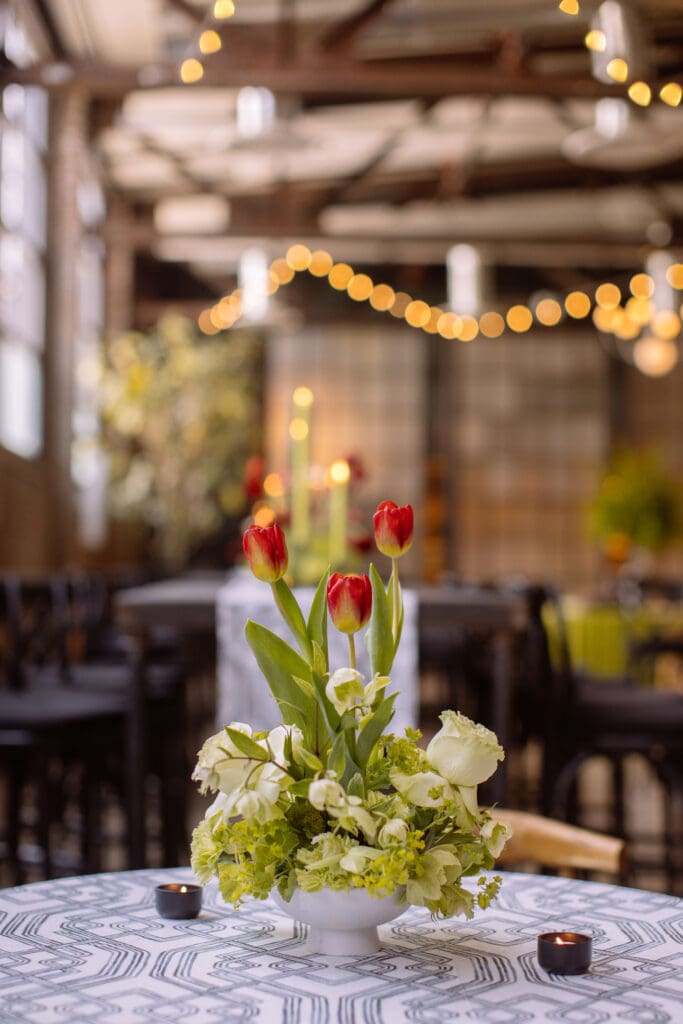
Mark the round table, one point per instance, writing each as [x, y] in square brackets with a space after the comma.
[94, 949]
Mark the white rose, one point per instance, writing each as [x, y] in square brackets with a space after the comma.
[345, 689]
[424, 789]
[326, 793]
[464, 752]
[393, 833]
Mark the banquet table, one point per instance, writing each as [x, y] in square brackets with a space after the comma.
[93, 949]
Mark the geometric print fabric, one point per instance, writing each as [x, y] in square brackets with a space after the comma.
[93, 950]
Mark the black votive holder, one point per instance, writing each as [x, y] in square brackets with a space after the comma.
[564, 952]
[178, 900]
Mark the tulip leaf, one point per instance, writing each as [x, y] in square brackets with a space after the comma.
[373, 729]
[378, 638]
[246, 745]
[336, 758]
[280, 663]
[401, 611]
[289, 610]
[317, 620]
[300, 788]
[306, 686]
[319, 662]
[330, 713]
[309, 759]
[356, 786]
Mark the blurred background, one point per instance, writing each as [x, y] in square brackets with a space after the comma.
[280, 260]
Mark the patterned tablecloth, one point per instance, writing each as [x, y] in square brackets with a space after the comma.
[93, 949]
[243, 694]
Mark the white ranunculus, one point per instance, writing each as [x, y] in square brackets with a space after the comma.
[375, 689]
[423, 789]
[464, 752]
[352, 815]
[325, 794]
[254, 805]
[357, 859]
[393, 833]
[495, 834]
[276, 738]
[214, 769]
[345, 689]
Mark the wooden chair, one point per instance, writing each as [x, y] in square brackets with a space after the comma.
[555, 845]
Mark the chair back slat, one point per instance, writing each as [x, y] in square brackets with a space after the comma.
[552, 844]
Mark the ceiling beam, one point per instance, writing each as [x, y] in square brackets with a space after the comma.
[343, 35]
[348, 80]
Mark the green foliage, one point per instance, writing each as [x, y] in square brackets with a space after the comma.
[180, 416]
[637, 499]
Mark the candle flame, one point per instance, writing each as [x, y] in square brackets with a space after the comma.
[561, 942]
[273, 485]
[339, 471]
[298, 429]
[183, 888]
[302, 397]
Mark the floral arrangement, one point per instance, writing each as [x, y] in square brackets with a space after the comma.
[637, 505]
[331, 798]
[180, 417]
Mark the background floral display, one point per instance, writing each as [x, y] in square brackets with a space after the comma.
[181, 415]
[637, 506]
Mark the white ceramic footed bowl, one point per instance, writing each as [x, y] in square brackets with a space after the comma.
[342, 923]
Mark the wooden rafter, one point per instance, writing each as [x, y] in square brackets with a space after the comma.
[343, 35]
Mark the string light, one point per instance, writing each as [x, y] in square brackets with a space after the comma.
[617, 69]
[578, 305]
[595, 40]
[639, 92]
[671, 94]
[209, 41]
[223, 9]
[191, 70]
[655, 353]
[298, 257]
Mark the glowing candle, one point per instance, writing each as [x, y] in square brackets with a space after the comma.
[339, 504]
[564, 952]
[177, 901]
[299, 432]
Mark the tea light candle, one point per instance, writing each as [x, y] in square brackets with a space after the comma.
[178, 900]
[564, 952]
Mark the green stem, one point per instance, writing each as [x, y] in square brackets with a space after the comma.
[352, 650]
[395, 598]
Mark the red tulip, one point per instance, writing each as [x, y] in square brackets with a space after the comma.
[393, 528]
[349, 600]
[266, 552]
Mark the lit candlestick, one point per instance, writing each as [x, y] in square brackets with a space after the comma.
[339, 504]
[299, 432]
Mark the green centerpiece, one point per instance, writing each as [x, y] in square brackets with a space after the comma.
[331, 799]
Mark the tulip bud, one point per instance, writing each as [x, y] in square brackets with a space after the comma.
[349, 600]
[266, 552]
[393, 528]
